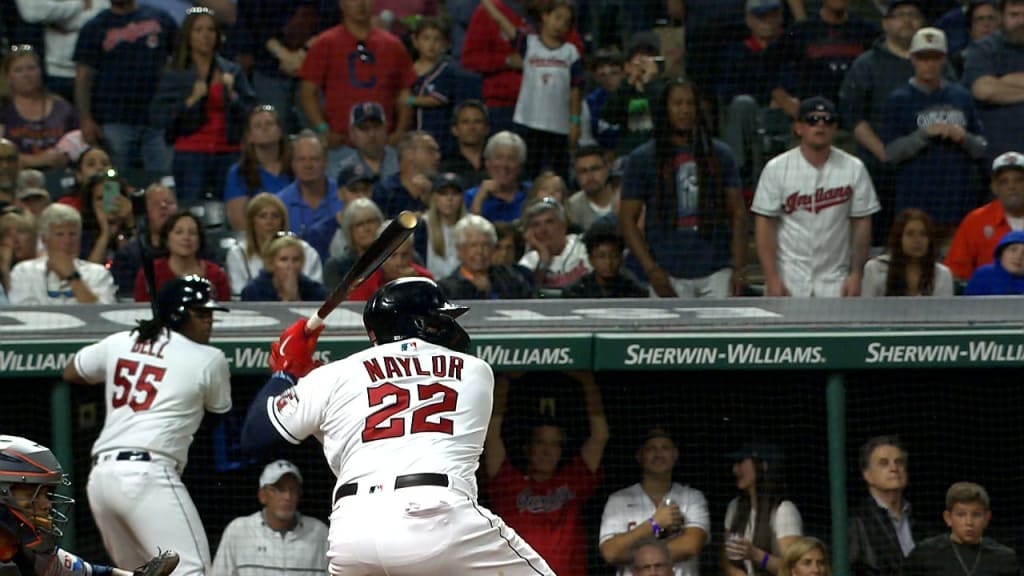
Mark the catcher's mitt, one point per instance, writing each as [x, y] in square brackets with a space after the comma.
[160, 565]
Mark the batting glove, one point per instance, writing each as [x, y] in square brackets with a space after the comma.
[293, 352]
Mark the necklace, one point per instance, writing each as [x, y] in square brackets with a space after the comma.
[961, 560]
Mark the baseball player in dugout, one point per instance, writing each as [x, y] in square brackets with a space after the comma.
[402, 425]
[277, 539]
[159, 378]
[31, 515]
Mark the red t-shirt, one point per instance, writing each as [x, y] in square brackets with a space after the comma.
[363, 292]
[212, 137]
[162, 270]
[349, 75]
[548, 514]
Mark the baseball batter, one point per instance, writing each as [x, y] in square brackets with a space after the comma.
[159, 379]
[402, 425]
[812, 212]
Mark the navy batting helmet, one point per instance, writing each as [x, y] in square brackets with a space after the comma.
[181, 294]
[33, 466]
[414, 308]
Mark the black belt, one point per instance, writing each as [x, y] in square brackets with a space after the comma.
[405, 481]
[131, 455]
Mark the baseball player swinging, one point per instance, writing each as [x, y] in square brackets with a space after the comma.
[31, 513]
[402, 426]
[159, 379]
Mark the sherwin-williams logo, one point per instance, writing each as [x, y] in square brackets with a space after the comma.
[506, 356]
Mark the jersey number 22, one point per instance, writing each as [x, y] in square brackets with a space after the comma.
[385, 424]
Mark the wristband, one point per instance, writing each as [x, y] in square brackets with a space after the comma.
[574, 119]
[764, 561]
[321, 128]
[655, 527]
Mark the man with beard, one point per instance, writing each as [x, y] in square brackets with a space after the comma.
[368, 144]
[595, 197]
[994, 72]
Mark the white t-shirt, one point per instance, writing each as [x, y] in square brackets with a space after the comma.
[813, 209]
[155, 394]
[242, 269]
[438, 266]
[548, 78]
[33, 284]
[876, 272]
[785, 522]
[631, 506]
[249, 547]
[566, 267]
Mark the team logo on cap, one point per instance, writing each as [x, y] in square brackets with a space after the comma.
[929, 37]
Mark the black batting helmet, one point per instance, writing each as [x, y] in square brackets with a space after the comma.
[184, 293]
[414, 308]
[26, 463]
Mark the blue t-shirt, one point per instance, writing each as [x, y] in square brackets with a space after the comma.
[497, 210]
[261, 289]
[439, 82]
[392, 198]
[301, 217]
[235, 187]
[128, 52]
[815, 55]
[678, 247]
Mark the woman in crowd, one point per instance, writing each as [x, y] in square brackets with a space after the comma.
[282, 279]
[92, 160]
[265, 165]
[359, 224]
[806, 556]
[183, 237]
[201, 105]
[760, 524]
[435, 237]
[17, 242]
[910, 265]
[107, 222]
[511, 244]
[33, 118]
[265, 219]
[547, 184]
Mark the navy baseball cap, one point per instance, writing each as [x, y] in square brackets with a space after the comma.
[365, 111]
[816, 104]
[352, 174]
[894, 4]
[762, 7]
[448, 180]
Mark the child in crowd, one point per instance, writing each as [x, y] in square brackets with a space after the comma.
[547, 184]
[1005, 275]
[964, 550]
[608, 280]
[433, 93]
[630, 107]
[548, 108]
[606, 69]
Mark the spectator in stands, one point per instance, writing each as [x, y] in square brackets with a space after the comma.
[401, 16]
[367, 143]
[651, 557]
[967, 514]
[312, 197]
[10, 166]
[806, 556]
[470, 129]
[265, 165]
[910, 265]
[547, 184]
[556, 258]
[992, 69]
[760, 523]
[92, 161]
[351, 63]
[981, 230]
[398, 265]
[980, 18]
[31, 193]
[751, 71]
[434, 239]
[548, 107]
[281, 279]
[817, 52]
[671, 33]
[18, 240]
[630, 107]
[360, 223]
[277, 538]
[1005, 274]
[477, 277]
[656, 507]
[608, 279]
[933, 136]
[812, 212]
[880, 531]
[433, 94]
[201, 105]
[116, 80]
[266, 219]
[107, 223]
[595, 198]
[544, 503]
[59, 276]
[511, 245]
[409, 189]
[183, 237]
[354, 181]
[33, 118]
[160, 205]
[606, 69]
[500, 197]
[688, 188]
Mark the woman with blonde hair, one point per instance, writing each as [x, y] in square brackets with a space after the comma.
[266, 218]
[435, 236]
[281, 279]
[806, 556]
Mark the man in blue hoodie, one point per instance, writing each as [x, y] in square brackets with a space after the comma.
[1005, 275]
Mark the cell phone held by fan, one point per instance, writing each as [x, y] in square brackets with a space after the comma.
[111, 193]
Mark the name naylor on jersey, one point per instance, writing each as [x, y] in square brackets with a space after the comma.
[504, 356]
[732, 354]
[822, 199]
[439, 366]
[12, 361]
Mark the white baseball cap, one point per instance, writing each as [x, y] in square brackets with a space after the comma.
[929, 40]
[1008, 160]
[275, 470]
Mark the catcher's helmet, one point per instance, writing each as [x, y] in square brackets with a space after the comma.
[24, 462]
[414, 308]
[180, 294]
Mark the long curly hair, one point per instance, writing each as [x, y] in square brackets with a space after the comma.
[896, 280]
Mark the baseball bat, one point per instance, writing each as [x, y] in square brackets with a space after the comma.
[397, 232]
[138, 198]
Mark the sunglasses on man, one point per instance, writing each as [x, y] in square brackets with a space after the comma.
[815, 119]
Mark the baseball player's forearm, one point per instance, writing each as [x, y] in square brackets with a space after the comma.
[860, 241]
[258, 434]
[71, 373]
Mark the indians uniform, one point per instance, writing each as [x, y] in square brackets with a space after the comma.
[402, 426]
[813, 208]
[155, 395]
[631, 506]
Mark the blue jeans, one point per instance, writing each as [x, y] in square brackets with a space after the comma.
[198, 173]
[131, 145]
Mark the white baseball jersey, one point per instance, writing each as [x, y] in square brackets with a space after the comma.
[249, 547]
[548, 77]
[813, 208]
[156, 393]
[630, 506]
[785, 522]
